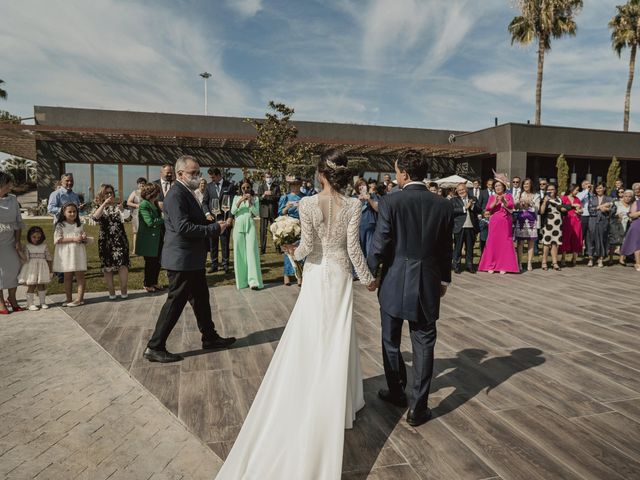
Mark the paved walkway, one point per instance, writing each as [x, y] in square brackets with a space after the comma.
[68, 410]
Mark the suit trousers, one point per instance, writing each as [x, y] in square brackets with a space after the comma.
[190, 286]
[585, 232]
[264, 231]
[466, 237]
[423, 340]
[213, 246]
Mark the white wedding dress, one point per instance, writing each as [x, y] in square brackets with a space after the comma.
[313, 386]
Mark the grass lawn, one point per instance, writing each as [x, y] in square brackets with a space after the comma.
[272, 263]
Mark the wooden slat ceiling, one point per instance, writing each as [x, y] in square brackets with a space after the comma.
[20, 140]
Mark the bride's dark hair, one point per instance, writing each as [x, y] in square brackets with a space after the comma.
[333, 165]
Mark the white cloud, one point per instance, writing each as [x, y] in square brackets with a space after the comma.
[246, 8]
[111, 54]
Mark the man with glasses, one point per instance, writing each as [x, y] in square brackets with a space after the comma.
[184, 256]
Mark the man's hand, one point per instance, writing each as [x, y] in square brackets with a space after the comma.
[223, 225]
[443, 290]
[373, 286]
[209, 217]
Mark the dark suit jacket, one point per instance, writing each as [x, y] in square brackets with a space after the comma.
[413, 242]
[161, 194]
[187, 232]
[210, 193]
[269, 205]
[483, 199]
[460, 214]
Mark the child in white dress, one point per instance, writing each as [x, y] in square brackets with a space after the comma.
[36, 271]
[70, 254]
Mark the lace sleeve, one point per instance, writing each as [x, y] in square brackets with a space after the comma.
[306, 225]
[58, 233]
[353, 246]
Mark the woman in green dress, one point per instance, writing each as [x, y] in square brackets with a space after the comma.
[246, 257]
[150, 235]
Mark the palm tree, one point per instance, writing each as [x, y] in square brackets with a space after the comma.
[625, 28]
[3, 93]
[542, 20]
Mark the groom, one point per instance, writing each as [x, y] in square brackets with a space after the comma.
[413, 243]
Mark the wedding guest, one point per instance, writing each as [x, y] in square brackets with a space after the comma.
[551, 208]
[165, 182]
[483, 223]
[483, 199]
[269, 193]
[543, 184]
[526, 229]
[618, 224]
[636, 190]
[246, 256]
[631, 244]
[600, 208]
[618, 194]
[308, 189]
[474, 191]
[585, 198]
[150, 236]
[571, 225]
[369, 217]
[113, 244]
[10, 230]
[218, 189]
[133, 202]
[499, 253]
[617, 186]
[36, 270]
[465, 227]
[433, 187]
[199, 193]
[288, 205]
[515, 189]
[62, 195]
[70, 253]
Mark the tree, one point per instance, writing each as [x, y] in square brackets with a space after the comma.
[563, 174]
[6, 117]
[3, 92]
[542, 20]
[625, 33]
[277, 149]
[613, 173]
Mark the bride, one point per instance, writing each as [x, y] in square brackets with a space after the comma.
[313, 386]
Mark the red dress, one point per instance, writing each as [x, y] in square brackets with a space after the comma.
[571, 228]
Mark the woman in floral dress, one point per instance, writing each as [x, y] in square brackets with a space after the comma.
[113, 245]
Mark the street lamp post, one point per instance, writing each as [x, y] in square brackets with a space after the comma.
[206, 76]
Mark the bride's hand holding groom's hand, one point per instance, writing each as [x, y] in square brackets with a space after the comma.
[373, 286]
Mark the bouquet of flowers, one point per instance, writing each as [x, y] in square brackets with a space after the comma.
[287, 231]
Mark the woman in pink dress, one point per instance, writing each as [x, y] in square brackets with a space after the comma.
[499, 253]
[571, 226]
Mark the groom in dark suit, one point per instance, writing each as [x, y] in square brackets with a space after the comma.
[413, 243]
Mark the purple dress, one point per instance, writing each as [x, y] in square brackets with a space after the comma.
[631, 242]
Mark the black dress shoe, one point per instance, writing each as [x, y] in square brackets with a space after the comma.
[471, 270]
[457, 269]
[418, 418]
[212, 269]
[218, 342]
[161, 356]
[226, 269]
[397, 400]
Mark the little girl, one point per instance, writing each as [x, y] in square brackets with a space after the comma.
[70, 254]
[36, 272]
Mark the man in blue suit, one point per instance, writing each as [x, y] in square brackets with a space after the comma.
[184, 255]
[413, 243]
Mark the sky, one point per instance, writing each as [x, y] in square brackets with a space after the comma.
[432, 63]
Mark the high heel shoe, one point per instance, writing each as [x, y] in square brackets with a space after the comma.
[529, 267]
[17, 308]
[556, 267]
[600, 264]
[545, 267]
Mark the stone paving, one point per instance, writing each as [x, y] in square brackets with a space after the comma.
[68, 410]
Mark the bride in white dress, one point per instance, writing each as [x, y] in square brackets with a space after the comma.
[313, 386]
